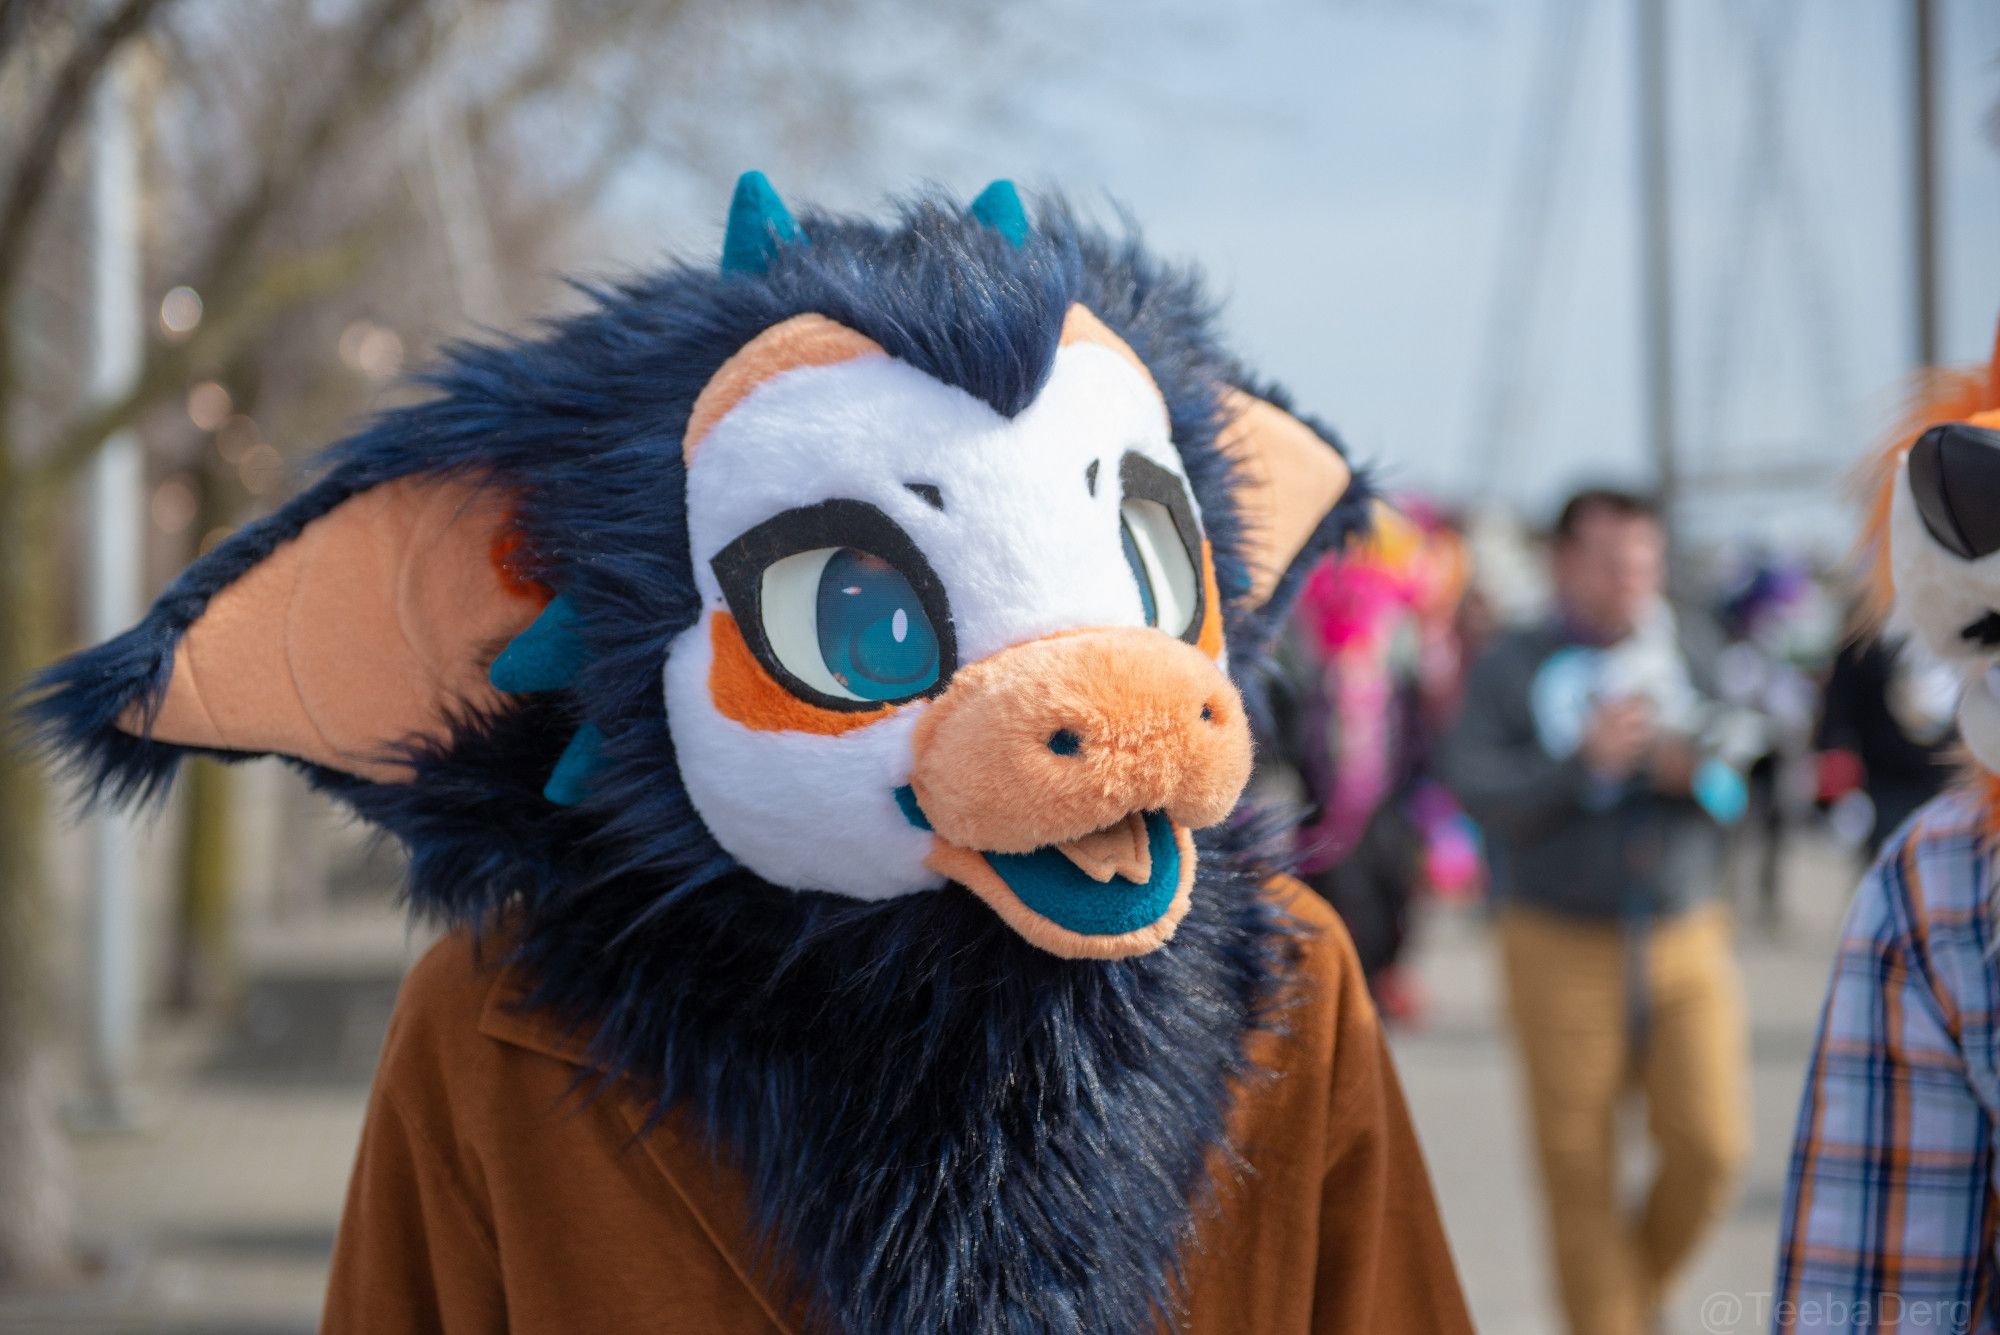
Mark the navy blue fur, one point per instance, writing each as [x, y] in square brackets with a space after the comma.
[1097, 1088]
[1034, 1157]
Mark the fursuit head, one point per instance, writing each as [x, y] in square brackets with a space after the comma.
[824, 674]
[1931, 549]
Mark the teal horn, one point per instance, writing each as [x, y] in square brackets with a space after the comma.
[999, 207]
[546, 657]
[759, 226]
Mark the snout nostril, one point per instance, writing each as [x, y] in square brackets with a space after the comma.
[1064, 742]
[1954, 472]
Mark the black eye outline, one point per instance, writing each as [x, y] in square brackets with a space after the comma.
[1140, 479]
[739, 568]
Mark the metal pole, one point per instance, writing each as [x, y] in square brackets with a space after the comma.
[1924, 166]
[1525, 239]
[116, 485]
[1656, 251]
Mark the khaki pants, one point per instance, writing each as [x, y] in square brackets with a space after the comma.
[1567, 998]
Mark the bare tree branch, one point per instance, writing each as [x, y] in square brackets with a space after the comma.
[68, 96]
[277, 288]
[237, 296]
[555, 66]
[17, 17]
[373, 74]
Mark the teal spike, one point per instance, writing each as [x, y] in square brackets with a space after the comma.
[580, 759]
[759, 226]
[999, 207]
[544, 657]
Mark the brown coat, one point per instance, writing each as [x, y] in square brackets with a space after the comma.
[487, 1198]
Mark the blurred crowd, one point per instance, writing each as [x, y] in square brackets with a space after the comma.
[1614, 760]
[1829, 730]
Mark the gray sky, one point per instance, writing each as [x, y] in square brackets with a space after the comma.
[1343, 171]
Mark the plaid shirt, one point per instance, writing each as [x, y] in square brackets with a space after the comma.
[1891, 1205]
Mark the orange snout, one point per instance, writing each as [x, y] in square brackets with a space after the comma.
[1061, 738]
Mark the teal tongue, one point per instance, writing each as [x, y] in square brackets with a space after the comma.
[1057, 889]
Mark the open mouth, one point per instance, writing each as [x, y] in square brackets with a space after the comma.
[1115, 892]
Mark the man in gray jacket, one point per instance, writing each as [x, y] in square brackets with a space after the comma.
[1597, 765]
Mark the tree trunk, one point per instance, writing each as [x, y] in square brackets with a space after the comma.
[37, 1191]
[204, 972]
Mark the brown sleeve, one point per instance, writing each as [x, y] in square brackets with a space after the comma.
[1384, 1264]
[415, 1254]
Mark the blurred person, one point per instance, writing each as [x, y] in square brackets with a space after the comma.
[1892, 1198]
[1372, 671]
[1585, 751]
[1765, 612]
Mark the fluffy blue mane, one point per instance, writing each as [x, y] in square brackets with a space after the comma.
[708, 987]
[582, 424]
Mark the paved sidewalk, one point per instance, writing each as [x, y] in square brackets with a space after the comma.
[218, 1212]
[1460, 1075]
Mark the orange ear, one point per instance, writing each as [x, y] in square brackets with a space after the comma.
[370, 630]
[1288, 481]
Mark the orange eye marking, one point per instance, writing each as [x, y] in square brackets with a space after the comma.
[1210, 642]
[743, 691]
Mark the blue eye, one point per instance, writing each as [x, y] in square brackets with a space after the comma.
[839, 606]
[875, 639]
